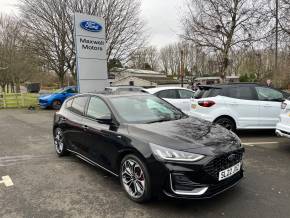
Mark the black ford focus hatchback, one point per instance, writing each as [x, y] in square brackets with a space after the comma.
[150, 145]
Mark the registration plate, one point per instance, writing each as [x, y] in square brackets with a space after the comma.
[229, 172]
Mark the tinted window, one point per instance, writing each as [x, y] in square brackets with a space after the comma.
[98, 109]
[129, 89]
[79, 104]
[171, 93]
[199, 93]
[241, 92]
[70, 90]
[268, 94]
[185, 94]
[210, 92]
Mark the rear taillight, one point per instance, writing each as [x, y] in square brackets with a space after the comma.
[283, 105]
[206, 103]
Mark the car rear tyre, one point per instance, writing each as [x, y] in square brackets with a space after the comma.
[226, 123]
[56, 104]
[135, 179]
[60, 147]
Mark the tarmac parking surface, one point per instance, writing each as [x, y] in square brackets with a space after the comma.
[34, 182]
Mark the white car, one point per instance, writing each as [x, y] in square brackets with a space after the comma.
[177, 96]
[283, 127]
[239, 105]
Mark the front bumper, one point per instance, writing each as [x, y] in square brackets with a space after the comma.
[43, 104]
[204, 191]
[199, 180]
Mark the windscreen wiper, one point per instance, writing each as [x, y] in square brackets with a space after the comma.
[160, 121]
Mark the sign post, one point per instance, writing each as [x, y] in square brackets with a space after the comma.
[91, 57]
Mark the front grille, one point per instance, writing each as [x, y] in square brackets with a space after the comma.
[223, 162]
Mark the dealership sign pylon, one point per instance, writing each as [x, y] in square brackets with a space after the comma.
[90, 42]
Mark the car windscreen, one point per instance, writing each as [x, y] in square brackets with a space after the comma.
[206, 92]
[59, 91]
[145, 109]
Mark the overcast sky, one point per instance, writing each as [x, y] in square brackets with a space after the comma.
[161, 16]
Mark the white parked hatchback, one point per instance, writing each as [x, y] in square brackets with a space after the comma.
[239, 105]
[283, 127]
[177, 96]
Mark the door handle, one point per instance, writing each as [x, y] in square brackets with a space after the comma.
[85, 127]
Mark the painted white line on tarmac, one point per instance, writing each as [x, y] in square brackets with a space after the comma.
[7, 181]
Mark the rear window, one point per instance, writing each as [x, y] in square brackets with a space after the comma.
[170, 93]
[241, 92]
[208, 92]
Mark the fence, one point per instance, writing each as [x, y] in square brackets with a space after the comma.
[18, 100]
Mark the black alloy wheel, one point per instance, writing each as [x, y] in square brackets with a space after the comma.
[59, 144]
[134, 178]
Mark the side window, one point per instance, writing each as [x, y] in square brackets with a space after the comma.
[69, 104]
[171, 93]
[242, 92]
[212, 92]
[70, 91]
[268, 94]
[79, 104]
[98, 109]
[184, 94]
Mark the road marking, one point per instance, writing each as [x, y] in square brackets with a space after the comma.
[252, 144]
[7, 181]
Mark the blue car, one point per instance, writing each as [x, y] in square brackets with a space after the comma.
[56, 99]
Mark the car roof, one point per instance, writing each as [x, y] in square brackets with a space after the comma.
[105, 94]
[157, 89]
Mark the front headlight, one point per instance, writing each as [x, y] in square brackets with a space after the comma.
[174, 155]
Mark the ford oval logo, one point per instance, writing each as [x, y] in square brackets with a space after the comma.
[91, 26]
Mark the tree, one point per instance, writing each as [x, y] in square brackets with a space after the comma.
[114, 63]
[223, 25]
[17, 64]
[146, 58]
[51, 25]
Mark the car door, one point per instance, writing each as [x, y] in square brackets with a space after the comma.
[73, 121]
[101, 138]
[171, 96]
[244, 105]
[270, 106]
[185, 99]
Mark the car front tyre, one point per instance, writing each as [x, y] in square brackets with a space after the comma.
[135, 179]
[56, 104]
[59, 144]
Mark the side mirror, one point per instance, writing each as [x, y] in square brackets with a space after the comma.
[105, 119]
